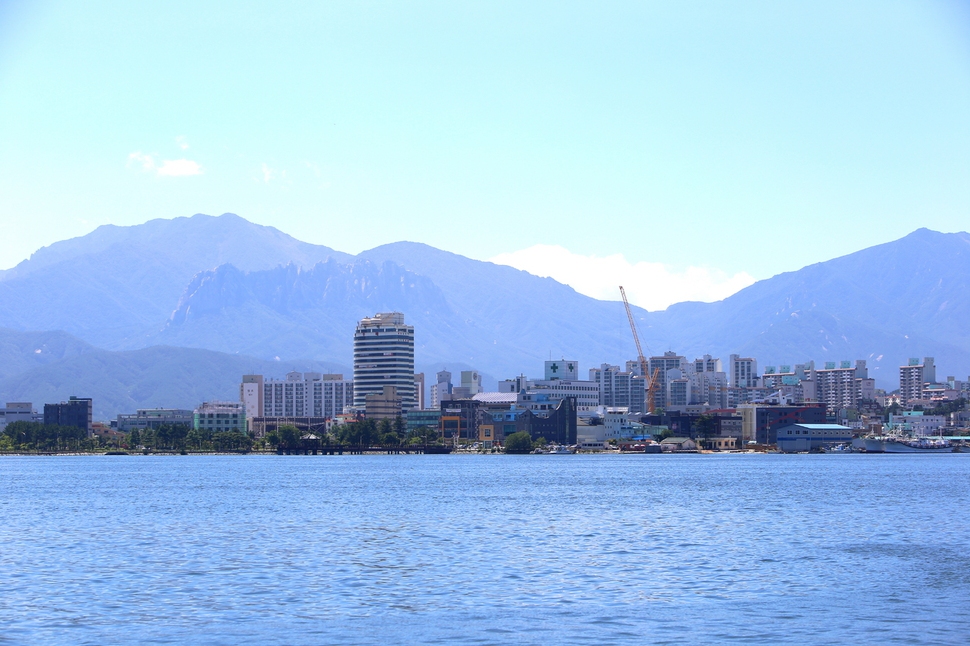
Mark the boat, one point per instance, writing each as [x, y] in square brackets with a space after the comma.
[559, 450]
[916, 445]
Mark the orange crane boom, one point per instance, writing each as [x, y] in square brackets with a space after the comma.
[644, 370]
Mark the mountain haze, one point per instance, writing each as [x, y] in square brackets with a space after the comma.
[242, 290]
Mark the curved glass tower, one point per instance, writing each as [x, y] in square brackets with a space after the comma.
[384, 356]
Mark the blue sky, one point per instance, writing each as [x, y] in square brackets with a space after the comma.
[693, 147]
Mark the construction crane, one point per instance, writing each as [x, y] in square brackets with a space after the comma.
[644, 370]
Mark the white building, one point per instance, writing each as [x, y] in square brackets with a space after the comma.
[669, 361]
[742, 372]
[619, 388]
[384, 356]
[561, 369]
[914, 376]
[308, 394]
[19, 412]
[917, 423]
[441, 390]
[472, 380]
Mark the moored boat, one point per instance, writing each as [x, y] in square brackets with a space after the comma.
[917, 445]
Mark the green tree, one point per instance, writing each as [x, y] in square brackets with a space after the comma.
[705, 426]
[289, 437]
[520, 442]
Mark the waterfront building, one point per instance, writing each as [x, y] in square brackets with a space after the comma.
[76, 412]
[384, 356]
[418, 418]
[19, 412]
[460, 418]
[153, 418]
[557, 425]
[807, 437]
[760, 423]
[307, 394]
[219, 416]
[914, 376]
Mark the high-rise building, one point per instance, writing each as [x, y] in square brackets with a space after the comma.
[669, 361]
[619, 388]
[384, 356]
[837, 386]
[419, 390]
[914, 376]
[742, 372]
[441, 390]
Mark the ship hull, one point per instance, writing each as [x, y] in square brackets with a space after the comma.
[890, 446]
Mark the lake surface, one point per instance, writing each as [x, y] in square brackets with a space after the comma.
[485, 549]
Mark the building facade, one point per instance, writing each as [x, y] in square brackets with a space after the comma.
[153, 418]
[914, 376]
[216, 417]
[384, 356]
[307, 394]
[76, 412]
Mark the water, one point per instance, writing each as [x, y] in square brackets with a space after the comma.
[484, 549]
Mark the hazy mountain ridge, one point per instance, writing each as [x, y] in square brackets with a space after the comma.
[158, 376]
[115, 294]
[224, 284]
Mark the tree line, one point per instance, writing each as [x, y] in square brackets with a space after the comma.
[36, 436]
[368, 432]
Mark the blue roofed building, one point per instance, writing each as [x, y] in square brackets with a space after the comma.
[807, 437]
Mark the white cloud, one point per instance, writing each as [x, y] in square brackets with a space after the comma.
[651, 285]
[169, 167]
[267, 173]
[179, 167]
[146, 161]
[182, 142]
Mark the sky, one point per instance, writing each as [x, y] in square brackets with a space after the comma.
[683, 149]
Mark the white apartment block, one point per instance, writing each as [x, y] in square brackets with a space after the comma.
[914, 376]
[742, 371]
[619, 388]
[308, 394]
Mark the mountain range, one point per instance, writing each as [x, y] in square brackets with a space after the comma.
[172, 312]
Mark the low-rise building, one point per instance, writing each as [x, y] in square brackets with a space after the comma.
[218, 416]
[794, 438]
[19, 412]
[153, 418]
[678, 444]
